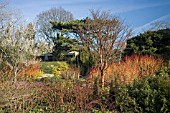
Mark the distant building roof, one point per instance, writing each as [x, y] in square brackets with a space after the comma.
[73, 52]
[47, 54]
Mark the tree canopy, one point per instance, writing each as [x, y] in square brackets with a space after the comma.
[63, 45]
[102, 34]
[18, 45]
[151, 42]
[43, 26]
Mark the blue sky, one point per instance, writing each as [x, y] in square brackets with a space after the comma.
[138, 14]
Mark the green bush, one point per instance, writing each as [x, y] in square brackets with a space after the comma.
[56, 68]
[120, 99]
[152, 95]
[165, 70]
[148, 95]
[124, 103]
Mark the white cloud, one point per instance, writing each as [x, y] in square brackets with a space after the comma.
[126, 7]
[148, 25]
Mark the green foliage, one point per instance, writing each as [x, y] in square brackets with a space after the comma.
[165, 70]
[151, 42]
[98, 35]
[36, 110]
[152, 95]
[56, 68]
[120, 99]
[86, 61]
[62, 46]
[59, 68]
[148, 95]
[96, 111]
[124, 103]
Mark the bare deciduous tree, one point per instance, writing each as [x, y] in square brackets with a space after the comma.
[4, 15]
[158, 25]
[104, 37]
[43, 26]
[7, 14]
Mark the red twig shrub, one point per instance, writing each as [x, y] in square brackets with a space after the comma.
[134, 67]
[130, 68]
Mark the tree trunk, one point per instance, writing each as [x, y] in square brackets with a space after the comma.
[15, 75]
[102, 78]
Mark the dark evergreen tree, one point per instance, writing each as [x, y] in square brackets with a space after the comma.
[63, 45]
[151, 42]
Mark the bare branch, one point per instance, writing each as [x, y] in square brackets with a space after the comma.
[43, 25]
